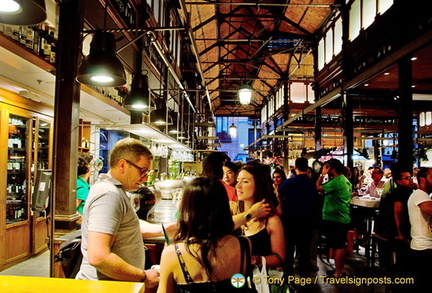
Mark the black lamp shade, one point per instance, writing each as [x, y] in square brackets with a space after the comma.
[159, 116]
[102, 67]
[137, 99]
[172, 129]
[31, 12]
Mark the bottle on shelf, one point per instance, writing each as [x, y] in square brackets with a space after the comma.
[8, 30]
[30, 37]
[23, 35]
[16, 33]
[53, 51]
[36, 38]
[46, 53]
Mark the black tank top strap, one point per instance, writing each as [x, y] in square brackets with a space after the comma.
[185, 271]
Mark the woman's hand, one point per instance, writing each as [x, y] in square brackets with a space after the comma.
[260, 209]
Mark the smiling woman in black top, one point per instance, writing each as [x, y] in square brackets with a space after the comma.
[266, 234]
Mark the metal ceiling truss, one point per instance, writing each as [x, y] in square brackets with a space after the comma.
[251, 40]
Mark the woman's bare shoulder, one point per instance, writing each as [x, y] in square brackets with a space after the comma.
[274, 222]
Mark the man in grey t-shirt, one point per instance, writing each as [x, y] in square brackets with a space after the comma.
[112, 243]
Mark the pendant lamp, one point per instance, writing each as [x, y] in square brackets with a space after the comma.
[245, 94]
[102, 67]
[159, 116]
[233, 131]
[175, 128]
[137, 99]
[22, 12]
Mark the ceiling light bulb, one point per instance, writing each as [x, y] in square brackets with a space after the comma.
[139, 106]
[10, 6]
[102, 78]
[233, 131]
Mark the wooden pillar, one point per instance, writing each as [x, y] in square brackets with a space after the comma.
[405, 127]
[66, 116]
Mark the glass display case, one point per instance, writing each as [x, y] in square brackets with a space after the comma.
[17, 199]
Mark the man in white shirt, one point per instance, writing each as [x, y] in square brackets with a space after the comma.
[420, 215]
[375, 187]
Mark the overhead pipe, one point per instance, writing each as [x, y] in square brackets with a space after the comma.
[196, 54]
[170, 67]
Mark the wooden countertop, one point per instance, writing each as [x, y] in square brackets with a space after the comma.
[12, 284]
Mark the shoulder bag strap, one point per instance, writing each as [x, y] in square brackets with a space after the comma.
[245, 249]
[185, 271]
[281, 263]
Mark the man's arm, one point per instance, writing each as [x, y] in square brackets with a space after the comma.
[100, 256]
[324, 172]
[426, 207]
[398, 215]
[149, 230]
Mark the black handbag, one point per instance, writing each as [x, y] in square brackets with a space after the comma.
[70, 256]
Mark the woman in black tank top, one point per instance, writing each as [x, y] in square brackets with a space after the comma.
[266, 234]
[205, 255]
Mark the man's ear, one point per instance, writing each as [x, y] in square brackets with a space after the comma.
[121, 165]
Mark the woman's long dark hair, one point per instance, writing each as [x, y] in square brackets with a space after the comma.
[204, 217]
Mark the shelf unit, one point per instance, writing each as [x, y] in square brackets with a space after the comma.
[26, 138]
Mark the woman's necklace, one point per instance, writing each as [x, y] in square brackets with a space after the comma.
[251, 222]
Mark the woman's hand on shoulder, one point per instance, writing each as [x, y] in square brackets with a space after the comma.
[260, 209]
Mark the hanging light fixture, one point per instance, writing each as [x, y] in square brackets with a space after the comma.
[174, 128]
[159, 116]
[22, 12]
[102, 67]
[245, 94]
[233, 131]
[138, 98]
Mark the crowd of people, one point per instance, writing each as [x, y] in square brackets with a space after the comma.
[240, 214]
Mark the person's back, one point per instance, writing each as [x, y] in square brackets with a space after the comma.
[337, 201]
[226, 261]
[204, 255]
[299, 197]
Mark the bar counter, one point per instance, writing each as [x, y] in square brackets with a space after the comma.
[15, 284]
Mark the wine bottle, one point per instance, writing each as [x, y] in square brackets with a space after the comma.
[52, 58]
[47, 44]
[36, 39]
[43, 35]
